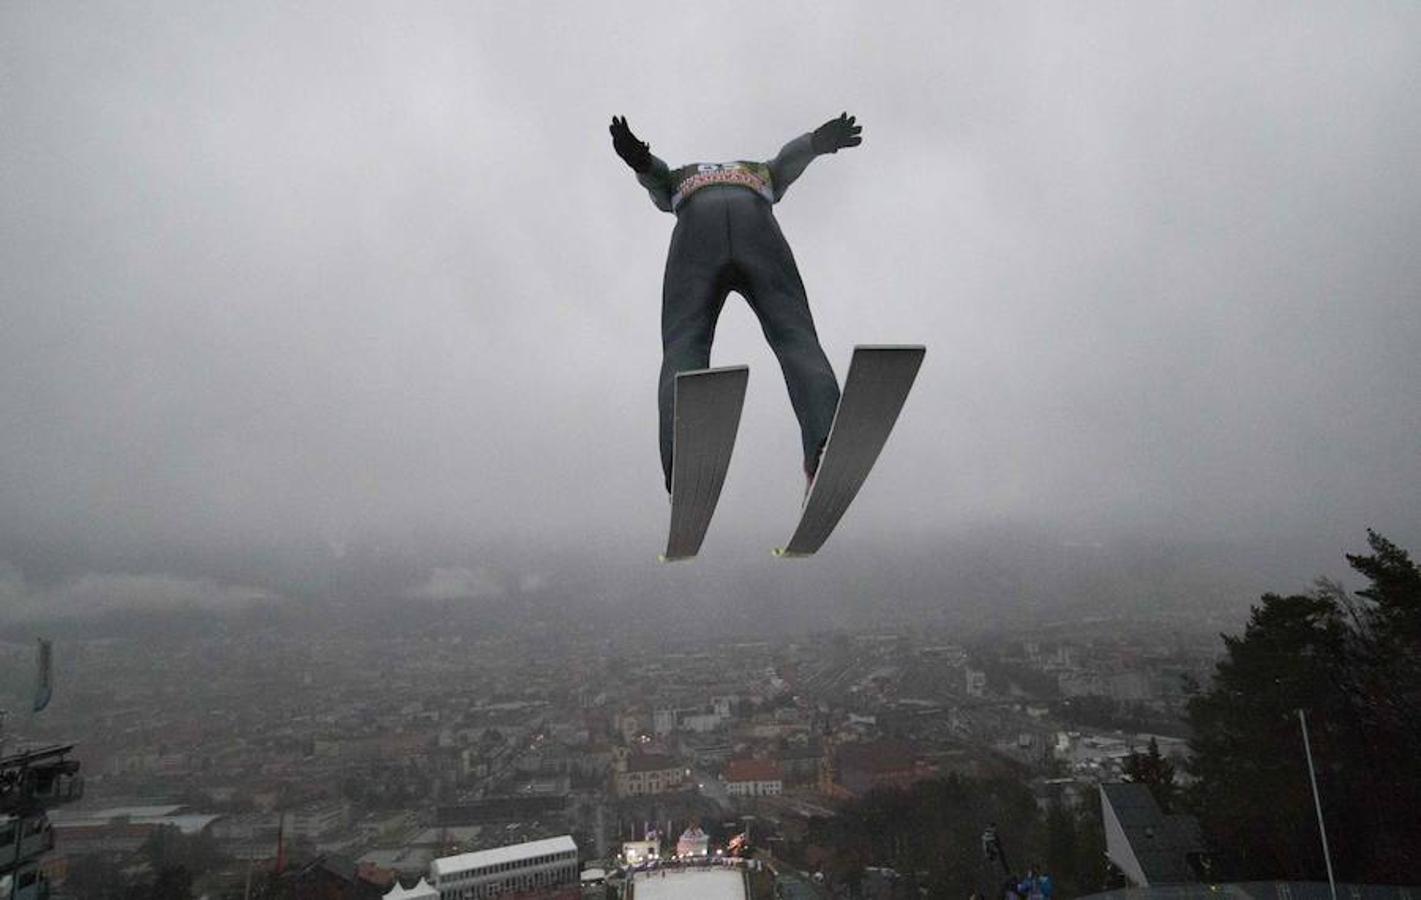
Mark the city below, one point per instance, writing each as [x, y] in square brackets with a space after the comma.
[506, 747]
[378, 755]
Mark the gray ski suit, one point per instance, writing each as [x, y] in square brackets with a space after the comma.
[726, 239]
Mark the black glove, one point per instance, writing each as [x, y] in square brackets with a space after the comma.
[836, 134]
[633, 152]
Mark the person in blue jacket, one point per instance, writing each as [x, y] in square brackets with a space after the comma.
[1036, 886]
[726, 239]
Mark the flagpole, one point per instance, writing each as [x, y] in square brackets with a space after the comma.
[1317, 802]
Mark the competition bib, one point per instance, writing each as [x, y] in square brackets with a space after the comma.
[755, 176]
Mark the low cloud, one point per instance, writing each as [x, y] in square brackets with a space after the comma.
[99, 592]
[458, 583]
[533, 582]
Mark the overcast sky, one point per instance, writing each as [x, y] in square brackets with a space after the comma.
[349, 272]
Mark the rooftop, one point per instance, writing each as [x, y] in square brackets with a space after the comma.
[499, 855]
[650, 762]
[1150, 847]
[116, 812]
[752, 770]
[188, 823]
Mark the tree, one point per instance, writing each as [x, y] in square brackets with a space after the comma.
[95, 877]
[934, 827]
[1395, 590]
[1154, 771]
[1385, 684]
[1075, 849]
[172, 884]
[1253, 789]
[167, 848]
[1352, 664]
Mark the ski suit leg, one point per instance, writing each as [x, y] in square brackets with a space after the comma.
[692, 295]
[770, 282]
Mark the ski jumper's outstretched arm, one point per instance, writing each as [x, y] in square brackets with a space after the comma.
[796, 156]
[790, 163]
[785, 168]
[657, 181]
[653, 174]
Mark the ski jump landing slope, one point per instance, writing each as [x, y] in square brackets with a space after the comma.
[691, 884]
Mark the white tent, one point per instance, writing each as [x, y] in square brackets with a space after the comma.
[421, 891]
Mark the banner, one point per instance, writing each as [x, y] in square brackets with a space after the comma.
[44, 675]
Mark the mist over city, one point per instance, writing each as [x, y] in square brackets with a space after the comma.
[331, 504]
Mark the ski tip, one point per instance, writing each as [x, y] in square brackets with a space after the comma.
[662, 557]
[891, 348]
[786, 553]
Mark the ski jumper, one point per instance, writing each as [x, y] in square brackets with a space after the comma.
[726, 239]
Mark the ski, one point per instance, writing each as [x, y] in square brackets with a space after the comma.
[877, 385]
[706, 419]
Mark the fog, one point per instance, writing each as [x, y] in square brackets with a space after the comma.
[280, 286]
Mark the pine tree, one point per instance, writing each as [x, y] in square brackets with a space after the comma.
[1154, 771]
[1353, 665]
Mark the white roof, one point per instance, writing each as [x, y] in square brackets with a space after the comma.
[498, 855]
[139, 811]
[114, 812]
[421, 891]
[188, 823]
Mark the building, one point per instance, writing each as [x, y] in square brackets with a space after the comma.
[123, 829]
[693, 842]
[800, 763]
[30, 782]
[501, 810]
[537, 868]
[317, 820]
[753, 778]
[663, 721]
[24, 840]
[976, 682]
[1149, 847]
[649, 773]
[405, 862]
[633, 724]
[701, 721]
[860, 767]
[636, 852]
[329, 878]
[246, 835]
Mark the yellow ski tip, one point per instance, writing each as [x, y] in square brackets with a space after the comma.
[786, 553]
